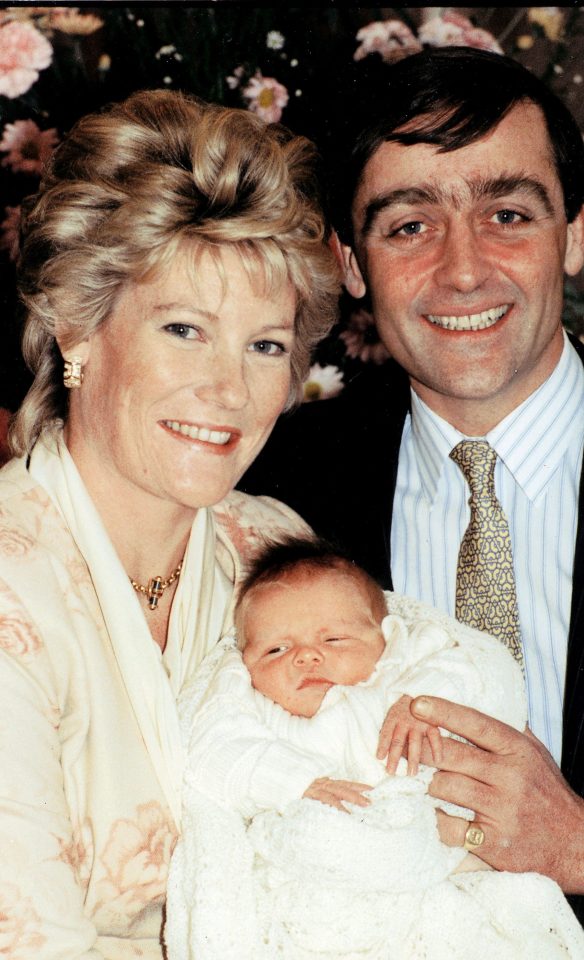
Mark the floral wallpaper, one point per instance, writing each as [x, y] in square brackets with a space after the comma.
[293, 64]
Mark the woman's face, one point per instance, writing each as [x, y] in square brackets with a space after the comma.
[182, 385]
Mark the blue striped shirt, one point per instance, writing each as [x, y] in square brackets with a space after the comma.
[537, 476]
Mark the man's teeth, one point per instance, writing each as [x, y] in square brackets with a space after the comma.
[474, 321]
[198, 433]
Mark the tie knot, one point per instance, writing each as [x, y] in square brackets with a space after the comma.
[476, 459]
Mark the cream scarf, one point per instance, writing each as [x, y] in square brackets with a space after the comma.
[153, 680]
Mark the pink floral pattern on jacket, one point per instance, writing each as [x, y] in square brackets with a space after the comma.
[136, 860]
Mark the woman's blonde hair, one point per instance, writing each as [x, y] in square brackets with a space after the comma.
[132, 185]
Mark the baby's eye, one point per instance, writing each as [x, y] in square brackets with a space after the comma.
[273, 650]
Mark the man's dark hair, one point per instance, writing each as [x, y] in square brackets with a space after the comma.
[457, 94]
[278, 560]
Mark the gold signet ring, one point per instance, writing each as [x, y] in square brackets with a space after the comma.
[473, 837]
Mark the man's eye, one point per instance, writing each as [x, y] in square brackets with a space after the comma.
[270, 348]
[183, 330]
[509, 217]
[411, 229]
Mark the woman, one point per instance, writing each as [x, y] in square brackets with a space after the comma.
[175, 279]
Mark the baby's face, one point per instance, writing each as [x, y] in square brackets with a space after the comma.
[308, 632]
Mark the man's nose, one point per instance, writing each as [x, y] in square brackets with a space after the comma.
[464, 264]
[305, 654]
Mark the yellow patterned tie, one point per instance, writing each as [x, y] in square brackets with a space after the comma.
[485, 581]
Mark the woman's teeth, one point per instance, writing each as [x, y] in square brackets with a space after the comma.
[220, 437]
[474, 321]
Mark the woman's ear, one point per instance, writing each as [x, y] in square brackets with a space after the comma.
[78, 350]
[351, 272]
[574, 256]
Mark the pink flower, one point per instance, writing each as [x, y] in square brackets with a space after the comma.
[9, 232]
[18, 637]
[452, 29]
[20, 925]
[136, 858]
[23, 52]
[362, 340]
[28, 147]
[266, 97]
[391, 39]
[69, 20]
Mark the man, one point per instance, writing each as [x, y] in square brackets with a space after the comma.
[462, 212]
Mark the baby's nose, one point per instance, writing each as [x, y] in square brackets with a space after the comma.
[307, 655]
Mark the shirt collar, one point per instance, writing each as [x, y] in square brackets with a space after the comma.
[530, 441]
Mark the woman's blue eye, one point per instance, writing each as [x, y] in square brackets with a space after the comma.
[270, 348]
[182, 330]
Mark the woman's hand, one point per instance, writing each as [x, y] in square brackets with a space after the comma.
[403, 735]
[334, 792]
[531, 819]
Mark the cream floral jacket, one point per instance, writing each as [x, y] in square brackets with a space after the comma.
[86, 831]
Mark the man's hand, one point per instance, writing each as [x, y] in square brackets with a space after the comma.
[402, 735]
[333, 792]
[531, 818]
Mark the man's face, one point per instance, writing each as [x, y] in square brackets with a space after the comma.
[463, 254]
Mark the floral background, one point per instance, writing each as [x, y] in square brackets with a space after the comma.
[294, 64]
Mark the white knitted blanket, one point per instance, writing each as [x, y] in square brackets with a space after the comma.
[313, 883]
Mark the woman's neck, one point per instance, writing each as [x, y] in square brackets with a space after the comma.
[149, 534]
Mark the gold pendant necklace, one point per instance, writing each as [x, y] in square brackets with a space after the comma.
[156, 587]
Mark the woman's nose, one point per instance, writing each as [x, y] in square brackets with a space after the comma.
[224, 383]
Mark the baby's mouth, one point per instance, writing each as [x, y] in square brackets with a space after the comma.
[314, 682]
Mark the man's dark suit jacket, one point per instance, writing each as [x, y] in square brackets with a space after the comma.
[335, 462]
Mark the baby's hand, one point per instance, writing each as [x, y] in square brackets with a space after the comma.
[400, 729]
[334, 792]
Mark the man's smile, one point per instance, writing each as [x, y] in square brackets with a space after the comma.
[472, 321]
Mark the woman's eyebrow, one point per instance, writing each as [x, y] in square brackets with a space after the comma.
[187, 307]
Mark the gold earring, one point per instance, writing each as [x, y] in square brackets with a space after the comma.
[73, 373]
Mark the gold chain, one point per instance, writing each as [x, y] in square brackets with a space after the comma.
[156, 587]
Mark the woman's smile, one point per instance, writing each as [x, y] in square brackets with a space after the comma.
[182, 385]
[221, 437]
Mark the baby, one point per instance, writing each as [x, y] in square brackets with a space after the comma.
[307, 620]
[282, 738]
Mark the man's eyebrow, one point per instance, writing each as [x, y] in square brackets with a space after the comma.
[479, 189]
[405, 195]
[491, 188]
